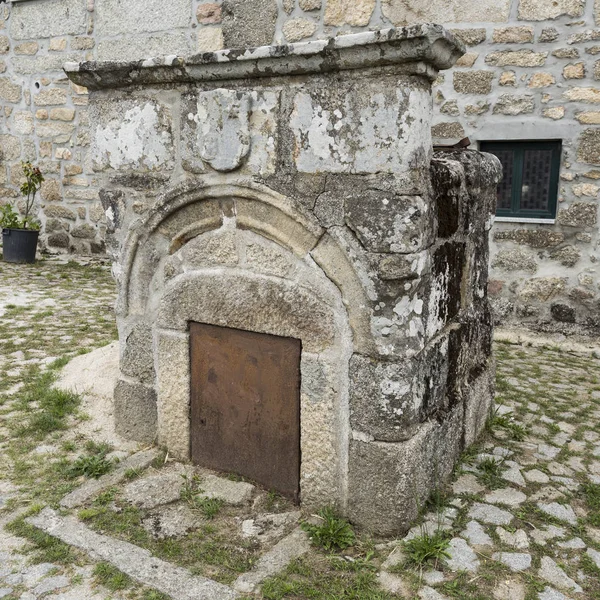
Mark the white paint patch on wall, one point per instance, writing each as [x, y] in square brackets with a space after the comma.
[391, 131]
[136, 140]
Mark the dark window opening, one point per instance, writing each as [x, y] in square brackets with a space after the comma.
[529, 188]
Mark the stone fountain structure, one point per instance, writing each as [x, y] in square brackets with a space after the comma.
[293, 191]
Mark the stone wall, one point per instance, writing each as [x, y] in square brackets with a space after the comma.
[531, 72]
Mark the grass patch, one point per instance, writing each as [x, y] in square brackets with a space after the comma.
[149, 594]
[213, 551]
[490, 472]
[464, 588]
[312, 577]
[110, 577]
[94, 464]
[91, 466]
[591, 494]
[44, 547]
[48, 407]
[506, 423]
[425, 548]
[209, 507]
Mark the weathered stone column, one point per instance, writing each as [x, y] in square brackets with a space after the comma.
[293, 191]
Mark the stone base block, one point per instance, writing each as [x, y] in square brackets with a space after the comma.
[135, 411]
[387, 497]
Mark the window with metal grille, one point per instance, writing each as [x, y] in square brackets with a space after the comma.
[529, 187]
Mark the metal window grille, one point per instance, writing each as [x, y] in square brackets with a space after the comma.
[529, 187]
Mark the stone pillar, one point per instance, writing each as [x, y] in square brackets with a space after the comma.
[294, 191]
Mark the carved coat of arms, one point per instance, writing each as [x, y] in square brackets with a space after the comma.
[223, 128]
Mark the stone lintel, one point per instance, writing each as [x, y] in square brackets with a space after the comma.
[422, 49]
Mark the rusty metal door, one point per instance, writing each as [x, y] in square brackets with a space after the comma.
[245, 405]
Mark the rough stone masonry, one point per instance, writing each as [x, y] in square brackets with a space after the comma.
[293, 191]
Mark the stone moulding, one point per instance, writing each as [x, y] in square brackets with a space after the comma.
[424, 49]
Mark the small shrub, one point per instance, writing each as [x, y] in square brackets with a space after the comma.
[332, 532]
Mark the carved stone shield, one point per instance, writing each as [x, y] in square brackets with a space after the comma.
[223, 128]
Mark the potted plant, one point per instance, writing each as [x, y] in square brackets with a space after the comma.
[20, 236]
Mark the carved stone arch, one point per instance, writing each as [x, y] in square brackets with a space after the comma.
[196, 207]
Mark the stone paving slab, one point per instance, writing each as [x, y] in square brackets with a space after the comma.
[139, 564]
[274, 561]
[157, 489]
[235, 493]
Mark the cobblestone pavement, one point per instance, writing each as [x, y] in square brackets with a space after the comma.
[520, 521]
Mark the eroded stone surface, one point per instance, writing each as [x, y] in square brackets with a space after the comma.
[171, 521]
[231, 492]
[155, 490]
[302, 211]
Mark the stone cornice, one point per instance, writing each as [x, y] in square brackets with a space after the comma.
[423, 49]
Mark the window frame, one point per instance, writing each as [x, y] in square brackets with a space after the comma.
[515, 213]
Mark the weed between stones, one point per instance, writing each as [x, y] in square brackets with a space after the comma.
[44, 548]
[331, 532]
[110, 577]
[591, 495]
[490, 472]
[425, 549]
[94, 463]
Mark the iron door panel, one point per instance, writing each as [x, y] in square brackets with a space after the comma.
[245, 405]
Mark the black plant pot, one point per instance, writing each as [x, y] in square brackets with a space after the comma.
[19, 245]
